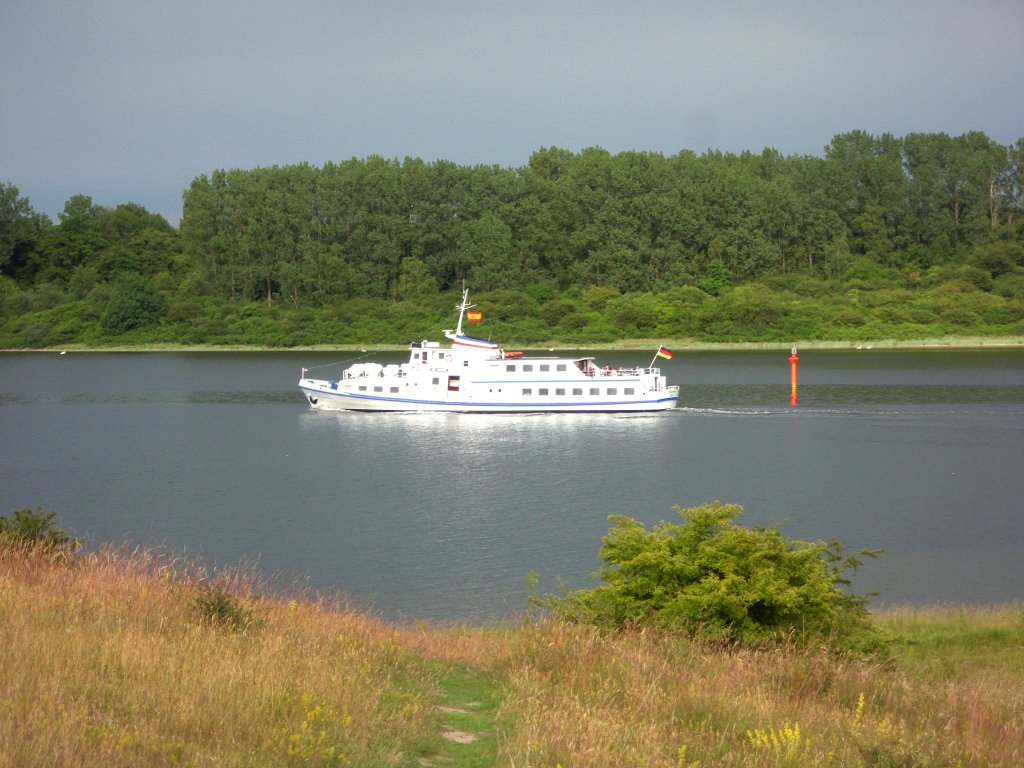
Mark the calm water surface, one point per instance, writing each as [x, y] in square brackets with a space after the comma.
[441, 516]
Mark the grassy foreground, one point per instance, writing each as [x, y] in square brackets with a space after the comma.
[121, 658]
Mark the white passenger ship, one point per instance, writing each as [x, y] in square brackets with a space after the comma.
[474, 375]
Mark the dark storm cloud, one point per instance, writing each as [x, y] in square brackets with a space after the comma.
[128, 102]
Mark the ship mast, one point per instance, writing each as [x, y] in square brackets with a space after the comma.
[462, 309]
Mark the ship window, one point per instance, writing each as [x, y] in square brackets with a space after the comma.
[559, 391]
[542, 391]
[510, 368]
[527, 367]
[465, 363]
[627, 391]
[612, 391]
[435, 381]
[560, 367]
[362, 387]
[595, 391]
[545, 367]
[378, 388]
[440, 355]
[527, 391]
[394, 389]
[577, 390]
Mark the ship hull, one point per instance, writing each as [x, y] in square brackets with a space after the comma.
[326, 395]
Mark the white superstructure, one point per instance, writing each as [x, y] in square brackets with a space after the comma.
[474, 375]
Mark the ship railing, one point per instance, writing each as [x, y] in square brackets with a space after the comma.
[400, 373]
[609, 370]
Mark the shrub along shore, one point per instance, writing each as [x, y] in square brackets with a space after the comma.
[624, 345]
[127, 657]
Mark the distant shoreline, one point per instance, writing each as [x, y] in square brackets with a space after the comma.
[625, 345]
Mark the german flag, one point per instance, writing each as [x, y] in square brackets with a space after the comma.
[666, 353]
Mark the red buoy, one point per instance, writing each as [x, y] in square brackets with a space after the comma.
[793, 360]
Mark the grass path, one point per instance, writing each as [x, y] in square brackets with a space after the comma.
[468, 708]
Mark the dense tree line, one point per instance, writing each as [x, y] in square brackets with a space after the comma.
[594, 245]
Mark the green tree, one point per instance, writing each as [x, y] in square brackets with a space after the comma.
[133, 303]
[77, 239]
[836, 257]
[718, 279]
[867, 186]
[981, 167]
[486, 256]
[1013, 189]
[415, 280]
[20, 228]
[136, 241]
[928, 164]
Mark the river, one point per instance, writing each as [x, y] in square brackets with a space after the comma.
[441, 516]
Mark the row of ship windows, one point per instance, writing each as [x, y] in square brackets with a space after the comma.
[578, 391]
[542, 391]
[527, 367]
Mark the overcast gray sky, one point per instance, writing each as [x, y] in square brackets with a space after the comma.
[129, 101]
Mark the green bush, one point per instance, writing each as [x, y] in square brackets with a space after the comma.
[632, 314]
[866, 275]
[711, 578]
[997, 258]
[752, 306]
[997, 315]
[848, 317]
[597, 296]
[505, 305]
[219, 607]
[979, 278]
[1009, 286]
[26, 526]
[555, 311]
[802, 325]
[572, 323]
[684, 296]
[596, 331]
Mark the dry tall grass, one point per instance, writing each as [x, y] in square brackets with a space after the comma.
[105, 661]
[582, 699]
